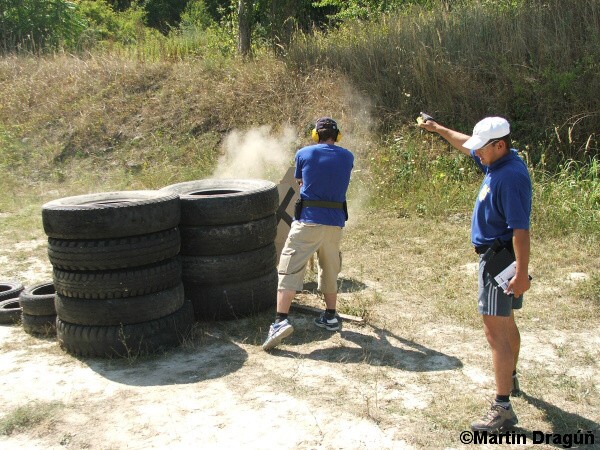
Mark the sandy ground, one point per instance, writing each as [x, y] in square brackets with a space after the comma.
[363, 388]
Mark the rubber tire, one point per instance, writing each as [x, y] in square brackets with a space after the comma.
[225, 202]
[39, 325]
[233, 300]
[228, 239]
[110, 214]
[118, 283]
[10, 289]
[10, 311]
[126, 311]
[127, 340]
[115, 253]
[220, 269]
[38, 300]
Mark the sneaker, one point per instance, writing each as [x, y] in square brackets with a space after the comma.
[516, 390]
[329, 324]
[277, 332]
[496, 419]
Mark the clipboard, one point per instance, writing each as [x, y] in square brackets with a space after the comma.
[501, 266]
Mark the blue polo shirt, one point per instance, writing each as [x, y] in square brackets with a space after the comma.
[504, 200]
[325, 171]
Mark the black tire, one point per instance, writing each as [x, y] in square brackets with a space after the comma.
[116, 253]
[233, 300]
[225, 202]
[126, 311]
[110, 214]
[10, 311]
[38, 300]
[118, 283]
[40, 325]
[228, 239]
[127, 340]
[228, 268]
[10, 289]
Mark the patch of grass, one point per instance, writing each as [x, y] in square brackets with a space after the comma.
[588, 291]
[359, 304]
[29, 416]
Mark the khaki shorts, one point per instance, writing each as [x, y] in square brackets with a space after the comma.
[302, 242]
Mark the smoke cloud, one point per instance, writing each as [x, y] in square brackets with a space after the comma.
[257, 153]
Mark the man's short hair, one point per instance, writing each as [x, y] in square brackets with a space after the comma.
[327, 128]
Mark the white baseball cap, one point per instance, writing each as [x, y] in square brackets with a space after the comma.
[486, 130]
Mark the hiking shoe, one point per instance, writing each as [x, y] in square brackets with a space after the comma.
[333, 324]
[277, 332]
[515, 390]
[496, 419]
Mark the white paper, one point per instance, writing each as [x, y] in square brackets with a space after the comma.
[505, 276]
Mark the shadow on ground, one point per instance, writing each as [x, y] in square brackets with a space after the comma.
[209, 354]
[345, 285]
[375, 346]
[563, 423]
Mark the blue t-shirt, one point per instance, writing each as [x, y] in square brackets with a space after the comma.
[325, 172]
[504, 200]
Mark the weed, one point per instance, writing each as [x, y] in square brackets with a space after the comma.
[28, 416]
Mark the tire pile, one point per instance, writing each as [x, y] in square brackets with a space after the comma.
[228, 229]
[32, 306]
[116, 273]
[38, 311]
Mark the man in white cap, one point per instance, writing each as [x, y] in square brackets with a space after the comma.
[501, 218]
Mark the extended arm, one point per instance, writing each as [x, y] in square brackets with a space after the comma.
[455, 138]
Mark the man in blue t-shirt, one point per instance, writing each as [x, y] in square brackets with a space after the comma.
[500, 220]
[323, 173]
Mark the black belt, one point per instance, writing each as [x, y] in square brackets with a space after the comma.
[481, 249]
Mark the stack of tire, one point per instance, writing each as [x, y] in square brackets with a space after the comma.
[10, 308]
[228, 256]
[116, 272]
[38, 310]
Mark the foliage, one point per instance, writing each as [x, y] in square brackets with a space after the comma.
[38, 25]
[535, 63]
[104, 24]
[364, 9]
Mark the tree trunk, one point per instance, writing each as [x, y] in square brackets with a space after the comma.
[244, 26]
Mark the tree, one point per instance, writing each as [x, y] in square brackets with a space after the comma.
[244, 26]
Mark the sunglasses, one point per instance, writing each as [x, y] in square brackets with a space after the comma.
[493, 141]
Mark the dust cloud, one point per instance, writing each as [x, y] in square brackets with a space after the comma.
[257, 153]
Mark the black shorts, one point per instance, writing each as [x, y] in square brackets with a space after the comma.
[492, 301]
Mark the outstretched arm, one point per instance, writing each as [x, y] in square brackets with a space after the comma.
[455, 138]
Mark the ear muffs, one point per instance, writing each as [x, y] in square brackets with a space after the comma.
[315, 136]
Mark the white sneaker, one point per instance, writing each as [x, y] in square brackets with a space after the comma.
[277, 332]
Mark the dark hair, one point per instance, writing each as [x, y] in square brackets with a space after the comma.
[507, 141]
[327, 133]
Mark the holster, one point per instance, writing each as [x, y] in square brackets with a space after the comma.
[298, 208]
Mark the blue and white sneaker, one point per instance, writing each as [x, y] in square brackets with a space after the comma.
[277, 332]
[329, 324]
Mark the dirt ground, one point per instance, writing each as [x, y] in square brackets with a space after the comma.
[411, 379]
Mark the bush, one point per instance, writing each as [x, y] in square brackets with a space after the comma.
[38, 25]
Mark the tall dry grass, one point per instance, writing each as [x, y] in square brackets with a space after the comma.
[533, 62]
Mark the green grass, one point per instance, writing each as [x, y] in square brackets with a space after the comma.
[31, 415]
